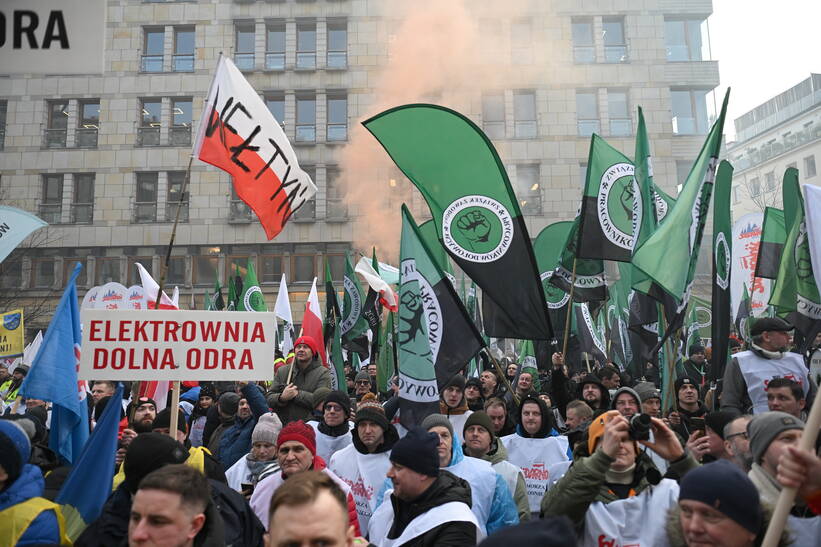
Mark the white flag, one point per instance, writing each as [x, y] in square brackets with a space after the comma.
[812, 207]
[282, 309]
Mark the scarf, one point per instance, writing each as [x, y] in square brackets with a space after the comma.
[333, 431]
[767, 353]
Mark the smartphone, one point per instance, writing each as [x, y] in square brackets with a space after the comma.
[697, 423]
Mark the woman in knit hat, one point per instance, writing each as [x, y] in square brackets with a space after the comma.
[243, 475]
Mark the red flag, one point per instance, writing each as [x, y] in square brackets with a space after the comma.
[238, 134]
[312, 322]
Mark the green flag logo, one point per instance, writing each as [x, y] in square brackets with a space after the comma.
[555, 297]
[594, 334]
[422, 307]
[353, 299]
[619, 211]
[416, 353]
[803, 264]
[661, 207]
[252, 299]
[477, 228]
[722, 261]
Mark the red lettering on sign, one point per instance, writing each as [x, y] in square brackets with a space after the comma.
[259, 333]
[94, 331]
[100, 358]
[245, 360]
[171, 329]
[210, 330]
[123, 334]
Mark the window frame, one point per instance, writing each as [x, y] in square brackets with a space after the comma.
[525, 128]
[586, 126]
[271, 55]
[76, 205]
[336, 25]
[306, 58]
[152, 62]
[184, 62]
[138, 217]
[51, 200]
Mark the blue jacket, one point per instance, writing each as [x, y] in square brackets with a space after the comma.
[30, 484]
[236, 441]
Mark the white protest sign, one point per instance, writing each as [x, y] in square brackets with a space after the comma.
[174, 345]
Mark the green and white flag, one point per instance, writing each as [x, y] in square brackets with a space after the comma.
[214, 301]
[773, 237]
[252, 298]
[338, 381]
[431, 238]
[722, 266]
[386, 360]
[436, 336]
[528, 363]
[477, 216]
[611, 210]
[548, 247]
[353, 324]
[590, 285]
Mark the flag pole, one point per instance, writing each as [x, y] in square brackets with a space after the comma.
[175, 410]
[787, 495]
[503, 377]
[569, 310]
[668, 393]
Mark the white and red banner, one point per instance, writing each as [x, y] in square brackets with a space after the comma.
[238, 134]
[169, 345]
[746, 238]
[312, 322]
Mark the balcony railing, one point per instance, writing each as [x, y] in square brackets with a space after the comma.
[307, 212]
[171, 212]
[525, 129]
[180, 135]
[86, 137]
[306, 133]
[275, 61]
[337, 59]
[306, 59]
[244, 61]
[615, 54]
[337, 132]
[584, 54]
[151, 63]
[183, 63]
[145, 211]
[51, 212]
[148, 136]
[82, 213]
[55, 138]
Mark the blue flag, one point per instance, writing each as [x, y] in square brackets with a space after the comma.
[15, 226]
[53, 376]
[88, 485]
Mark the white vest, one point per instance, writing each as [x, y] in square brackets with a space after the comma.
[638, 521]
[458, 422]
[758, 372]
[365, 474]
[382, 520]
[327, 445]
[534, 457]
[238, 474]
[482, 479]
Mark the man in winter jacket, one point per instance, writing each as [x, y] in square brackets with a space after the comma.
[492, 502]
[480, 442]
[452, 402]
[26, 518]
[364, 463]
[593, 392]
[333, 431]
[696, 368]
[236, 441]
[218, 420]
[294, 401]
[688, 406]
[426, 506]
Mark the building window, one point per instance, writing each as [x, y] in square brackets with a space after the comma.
[152, 59]
[303, 268]
[42, 273]
[57, 123]
[615, 46]
[236, 265]
[306, 45]
[275, 46]
[587, 112]
[276, 105]
[307, 212]
[337, 44]
[584, 49]
[175, 274]
[51, 204]
[88, 123]
[493, 115]
[769, 181]
[521, 42]
[183, 49]
[108, 270]
[755, 187]
[524, 114]
[736, 199]
[205, 270]
[528, 189]
[180, 133]
[3, 110]
[809, 166]
[337, 116]
[306, 118]
[620, 123]
[270, 268]
[682, 171]
[336, 263]
[689, 108]
[335, 206]
[175, 181]
[239, 212]
[82, 205]
[244, 48]
[145, 209]
[682, 39]
[11, 272]
[148, 134]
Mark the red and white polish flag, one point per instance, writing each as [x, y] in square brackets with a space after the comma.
[238, 134]
[312, 322]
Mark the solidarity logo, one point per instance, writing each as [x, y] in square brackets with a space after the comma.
[477, 228]
[661, 207]
[619, 205]
[555, 297]
[252, 299]
[722, 261]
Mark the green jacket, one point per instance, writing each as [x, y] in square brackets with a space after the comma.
[512, 476]
[307, 381]
[583, 484]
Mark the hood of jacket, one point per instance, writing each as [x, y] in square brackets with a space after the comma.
[547, 429]
[497, 453]
[593, 379]
[446, 488]
[457, 411]
[390, 439]
[29, 484]
[629, 390]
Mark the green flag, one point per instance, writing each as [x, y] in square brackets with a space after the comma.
[773, 237]
[332, 312]
[722, 262]
[386, 360]
[663, 203]
[611, 205]
[338, 381]
[783, 295]
[436, 336]
[214, 301]
[548, 247]
[743, 315]
[252, 299]
[528, 363]
[353, 324]
[427, 230]
[477, 215]
[232, 292]
[587, 333]
[669, 256]
[590, 284]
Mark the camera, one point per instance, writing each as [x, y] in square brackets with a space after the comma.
[639, 427]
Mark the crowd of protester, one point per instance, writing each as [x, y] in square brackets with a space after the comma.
[589, 457]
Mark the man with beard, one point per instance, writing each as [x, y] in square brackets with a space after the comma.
[747, 375]
[452, 402]
[145, 412]
[9, 388]
[737, 442]
[364, 463]
[594, 392]
[294, 401]
[333, 432]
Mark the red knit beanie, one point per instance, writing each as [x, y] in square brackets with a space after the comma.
[298, 431]
[308, 341]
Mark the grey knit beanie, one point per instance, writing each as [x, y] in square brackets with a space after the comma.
[765, 427]
[267, 429]
[437, 419]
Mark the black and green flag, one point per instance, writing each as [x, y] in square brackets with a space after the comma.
[611, 205]
[214, 301]
[386, 359]
[722, 262]
[436, 336]
[353, 324]
[590, 339]
[332, 312]
[251, 298]
[548, 247]
[477, 216]
[773, 237]
[431, 238]
[589, 284]
[743, 315]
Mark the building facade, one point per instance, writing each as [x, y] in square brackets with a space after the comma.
[103, 157]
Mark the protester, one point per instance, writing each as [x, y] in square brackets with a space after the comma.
[452, 402]
[737, 443]
[535, 447]
[225, 413]
[473, 394]
[593, 392]
[480, 442]
[362, 384]
[579, 416]
[236, 441]
[696, 368]
[801, 469]
[364, 463]
[688, 406]
[770, 433]
[786, 395]
[294, 401]
[309, 509]
[627, 402]
[245, 473]
[650, 399]
[426, 506]
[296, 453]
[198, 418]
[610, 378]
[26, 518]
[9, 388]
[747, 375]
[496, 410]
[491, 386]
[333, 432]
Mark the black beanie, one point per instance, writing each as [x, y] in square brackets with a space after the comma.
[479, 418]
[163, 419]
[147, 452]
[340, 398]
[418, 451]
[457, 380]
[207, 390]
[725, 487]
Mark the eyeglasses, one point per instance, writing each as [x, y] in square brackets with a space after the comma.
[333, 407]
[743, 435]
[363, 382]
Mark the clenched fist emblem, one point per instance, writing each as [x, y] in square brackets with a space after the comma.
[474, 226]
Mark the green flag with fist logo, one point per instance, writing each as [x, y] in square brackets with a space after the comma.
[251, 299]
[477, 216]
[548, 247]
